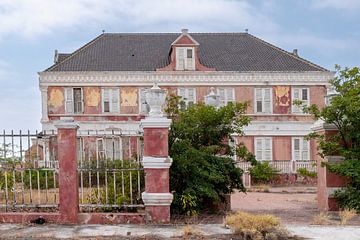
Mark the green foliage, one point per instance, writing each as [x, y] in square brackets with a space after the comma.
[348, 198]
[198, 145]
[262, 172]
[188, 203]
[306, 173]
[343, 112]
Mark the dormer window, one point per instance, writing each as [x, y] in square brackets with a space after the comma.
[185, 59]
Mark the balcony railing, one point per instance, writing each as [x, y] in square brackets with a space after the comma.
[285, 166]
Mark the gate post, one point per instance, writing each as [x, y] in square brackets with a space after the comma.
[327, 182]
[68, 175]
[156, 162]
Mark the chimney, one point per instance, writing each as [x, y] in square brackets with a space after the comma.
[295, 52]
[56, 56]
[184, 30]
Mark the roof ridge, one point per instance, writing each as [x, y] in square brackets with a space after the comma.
[289, 54]
[75, 52]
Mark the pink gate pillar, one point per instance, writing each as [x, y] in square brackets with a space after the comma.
[327, 182]
[156, 162]
[68, 175]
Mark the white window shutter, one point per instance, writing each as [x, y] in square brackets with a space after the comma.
[190, 62]
[259, 149]
[180, 58]
[296, 149]
[82, 100]
[230, 95]
[191, 96]
[305, 96]
[296, 96]
[305, 150]
[267, 100]
[143, 104]
[268, 150]
[69, 100]
[115, 100]
[258, 98]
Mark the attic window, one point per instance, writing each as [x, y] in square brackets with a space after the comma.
[182, 62]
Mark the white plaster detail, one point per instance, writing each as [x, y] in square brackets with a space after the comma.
[157, 199]
[156, 162]
[321, 125]
[155, 97]
[276, 128]
[66, 122]
[155, 123]
[183, 78]
[44, 104]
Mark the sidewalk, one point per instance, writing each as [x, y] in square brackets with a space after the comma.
[13, 231]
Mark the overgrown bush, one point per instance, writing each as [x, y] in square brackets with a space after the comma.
[306, 173]
[262, 172]
[348, 198]
[253, 227]
[203, 172]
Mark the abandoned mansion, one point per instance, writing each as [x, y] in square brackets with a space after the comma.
[102, 87]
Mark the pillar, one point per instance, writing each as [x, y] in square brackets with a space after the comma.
[44, 102]
[68, 175]
[156, 162]
[327, 182]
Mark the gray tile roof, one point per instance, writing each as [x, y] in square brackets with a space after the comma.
[149, 51]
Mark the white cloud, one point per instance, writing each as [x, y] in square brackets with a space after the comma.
[349, 5]
[33, 18]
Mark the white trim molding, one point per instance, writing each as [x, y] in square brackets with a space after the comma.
[157, 199]
[150, 122]
[276, 128]
[183, 78]
[156, 162]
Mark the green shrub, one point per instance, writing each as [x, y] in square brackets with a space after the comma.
[306, 173]
[262, 172]
[348, 198]
[205, 177]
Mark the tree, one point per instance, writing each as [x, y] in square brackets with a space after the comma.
[203, 171]
[344, 112]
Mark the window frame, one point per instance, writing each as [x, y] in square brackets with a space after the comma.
[293, 107]
[186, 65]
[263, 100]
[72, 101]
[187, 94]
[263, 151]
[226, 97]
[301, 149]
[111, 102]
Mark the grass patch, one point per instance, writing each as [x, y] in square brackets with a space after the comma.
[256, 227]
[346, 215]
[322, 218]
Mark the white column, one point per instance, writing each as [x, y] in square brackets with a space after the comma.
[44, 104]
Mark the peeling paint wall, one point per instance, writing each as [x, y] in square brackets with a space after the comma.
[92, 100]
[129, 100]
[281, 99]
[245, 94]
[56, 100]
[281, 148]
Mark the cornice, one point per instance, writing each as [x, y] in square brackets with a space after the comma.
[183, 78]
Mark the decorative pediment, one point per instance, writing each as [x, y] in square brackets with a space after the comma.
[185, 39]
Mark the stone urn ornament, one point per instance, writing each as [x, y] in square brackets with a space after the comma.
[155, 98]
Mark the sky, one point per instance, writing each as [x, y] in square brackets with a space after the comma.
[326, 32]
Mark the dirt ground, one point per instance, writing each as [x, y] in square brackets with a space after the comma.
[291, 208]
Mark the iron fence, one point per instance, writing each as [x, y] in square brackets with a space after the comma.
[111, 176]
[28, 171]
